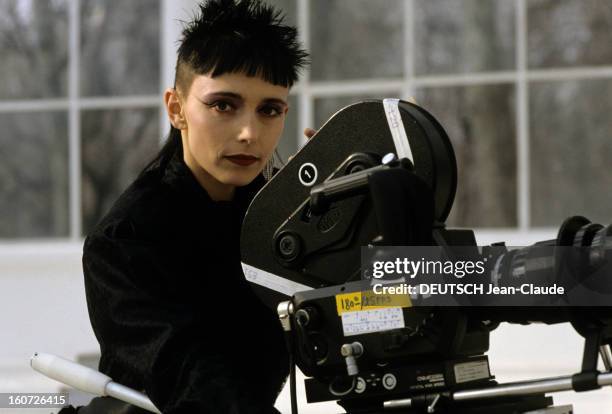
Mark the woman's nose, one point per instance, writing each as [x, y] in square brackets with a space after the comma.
[249, 130]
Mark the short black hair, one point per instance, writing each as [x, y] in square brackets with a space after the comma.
[246, 36]
[233, 36]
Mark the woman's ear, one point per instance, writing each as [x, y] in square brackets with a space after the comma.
[174, 108]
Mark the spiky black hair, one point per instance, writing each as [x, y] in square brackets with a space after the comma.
[245, 36]
[229, 36]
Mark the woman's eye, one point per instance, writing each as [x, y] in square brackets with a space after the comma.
[223, 106]
[271, 111]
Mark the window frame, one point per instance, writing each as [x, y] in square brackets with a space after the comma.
[172, 12]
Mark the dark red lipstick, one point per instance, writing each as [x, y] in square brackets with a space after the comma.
[242, 159]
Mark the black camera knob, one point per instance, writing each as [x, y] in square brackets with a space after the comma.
[303, 317]
[288, 246]
[307, 316]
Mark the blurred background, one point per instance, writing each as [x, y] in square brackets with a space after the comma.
[523, 88]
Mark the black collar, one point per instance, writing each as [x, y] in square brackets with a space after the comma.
[179, 177]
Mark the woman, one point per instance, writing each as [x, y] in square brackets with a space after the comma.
[166, 295]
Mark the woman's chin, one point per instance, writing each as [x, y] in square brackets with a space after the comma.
[240, 180]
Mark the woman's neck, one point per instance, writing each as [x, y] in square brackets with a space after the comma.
[216, 190]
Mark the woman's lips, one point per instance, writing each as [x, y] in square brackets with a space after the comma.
[242, 160]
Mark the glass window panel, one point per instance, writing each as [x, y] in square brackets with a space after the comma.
[480, 121]
[34, 49]
[353, 39]
[288, 144]
[571, 151]
[462, 36]
[326, 107]
[116, 145]
[120, 47]
[288, 7]
[34, 175]
[569, 33]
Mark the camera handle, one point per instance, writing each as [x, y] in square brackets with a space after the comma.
[86, 379]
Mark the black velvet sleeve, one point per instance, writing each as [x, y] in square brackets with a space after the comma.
[161, 332]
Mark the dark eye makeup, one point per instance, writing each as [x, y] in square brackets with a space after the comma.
[271, 110]
[227, 105]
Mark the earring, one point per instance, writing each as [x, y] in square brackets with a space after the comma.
[268, 170]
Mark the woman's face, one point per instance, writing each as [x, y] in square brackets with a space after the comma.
[232, 124]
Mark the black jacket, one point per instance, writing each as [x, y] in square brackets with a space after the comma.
[169, 304]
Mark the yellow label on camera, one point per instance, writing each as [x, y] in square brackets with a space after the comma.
[358, 301]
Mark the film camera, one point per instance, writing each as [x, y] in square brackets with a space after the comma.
[380, 174]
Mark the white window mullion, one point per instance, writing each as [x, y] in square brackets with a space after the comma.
[564, 74]
[354, 87]
[34, 105]
[409, 49]
[172, 13]
[522, 116]
[306, 100]
[306, 116]
[119, 102]
[164, 63]
[74, 124]
[466, 79]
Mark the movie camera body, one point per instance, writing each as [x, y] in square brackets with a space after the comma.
[383, 173]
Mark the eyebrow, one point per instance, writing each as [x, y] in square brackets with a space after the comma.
[239, 97]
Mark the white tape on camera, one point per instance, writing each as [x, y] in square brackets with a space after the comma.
[396, 126]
